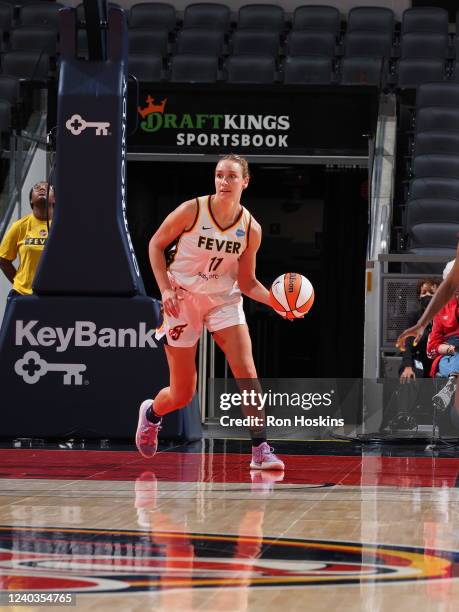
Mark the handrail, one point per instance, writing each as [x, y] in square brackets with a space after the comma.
[382, 180]
[410, 258]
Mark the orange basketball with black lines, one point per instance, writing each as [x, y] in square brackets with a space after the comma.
[291, 295]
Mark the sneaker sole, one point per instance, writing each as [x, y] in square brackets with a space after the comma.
[141, 409]
[439, 405]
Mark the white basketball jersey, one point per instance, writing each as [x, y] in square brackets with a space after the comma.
[205, 259]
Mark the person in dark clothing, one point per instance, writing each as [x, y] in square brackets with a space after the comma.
[403, 401]
[415, 362]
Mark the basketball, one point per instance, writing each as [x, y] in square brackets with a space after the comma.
[291, 295]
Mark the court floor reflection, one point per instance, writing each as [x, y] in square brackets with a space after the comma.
[201, 532]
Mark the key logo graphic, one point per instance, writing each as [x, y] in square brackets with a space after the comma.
[32, 367]
[76, 124]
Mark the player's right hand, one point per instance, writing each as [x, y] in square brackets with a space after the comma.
[416, 331]
[170, 303]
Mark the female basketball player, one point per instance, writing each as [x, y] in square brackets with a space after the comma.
[211, 245]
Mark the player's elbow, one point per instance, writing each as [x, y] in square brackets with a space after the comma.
[154, 245]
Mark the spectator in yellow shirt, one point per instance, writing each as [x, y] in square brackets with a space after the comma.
[27, 238]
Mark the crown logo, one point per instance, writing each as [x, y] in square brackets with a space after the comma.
[151, 107]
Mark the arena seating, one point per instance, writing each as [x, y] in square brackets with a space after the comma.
[369, 47]
[432, 200]
[312, 45]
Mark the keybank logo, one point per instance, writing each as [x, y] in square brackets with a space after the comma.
[32, 367]
[215, 130]
[83, 334]
[76, 125]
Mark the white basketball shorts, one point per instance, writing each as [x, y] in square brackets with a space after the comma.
[197, 310]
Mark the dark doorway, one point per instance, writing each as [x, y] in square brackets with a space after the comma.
[314, 222]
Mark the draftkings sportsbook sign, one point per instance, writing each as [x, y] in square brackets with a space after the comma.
[264, 122]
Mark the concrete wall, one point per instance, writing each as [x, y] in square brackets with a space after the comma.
[37, 172]
[398, 6]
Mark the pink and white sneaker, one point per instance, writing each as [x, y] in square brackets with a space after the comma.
[263, 458]
[146, 437]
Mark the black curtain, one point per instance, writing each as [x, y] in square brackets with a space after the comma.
[342, 296]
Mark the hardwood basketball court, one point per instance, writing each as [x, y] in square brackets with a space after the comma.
[194, 529]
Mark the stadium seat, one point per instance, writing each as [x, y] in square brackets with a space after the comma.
[412, 72]
[433, 235]
[82, 43]
[424, 44]
[455, 71]
[6, 16]
[434, 187]
[307, 43]
[251, 69]
[261, 17]
[437, 94]
[436, 143]
[308, 70]
[81, 15]
[40, 13]
[368, 44]
[5, 116]
[146, 68]
[207, 15]
[432, 118]
[153, 15]
[9, 88]
[371, 18]
[317, 18]
[255, 42]
[436, 165]
[148, 41]
[40, 38]
[425, 19]
[26, 65]
[200, 41]
[362, 71]
[431, 210]
[187, 68]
